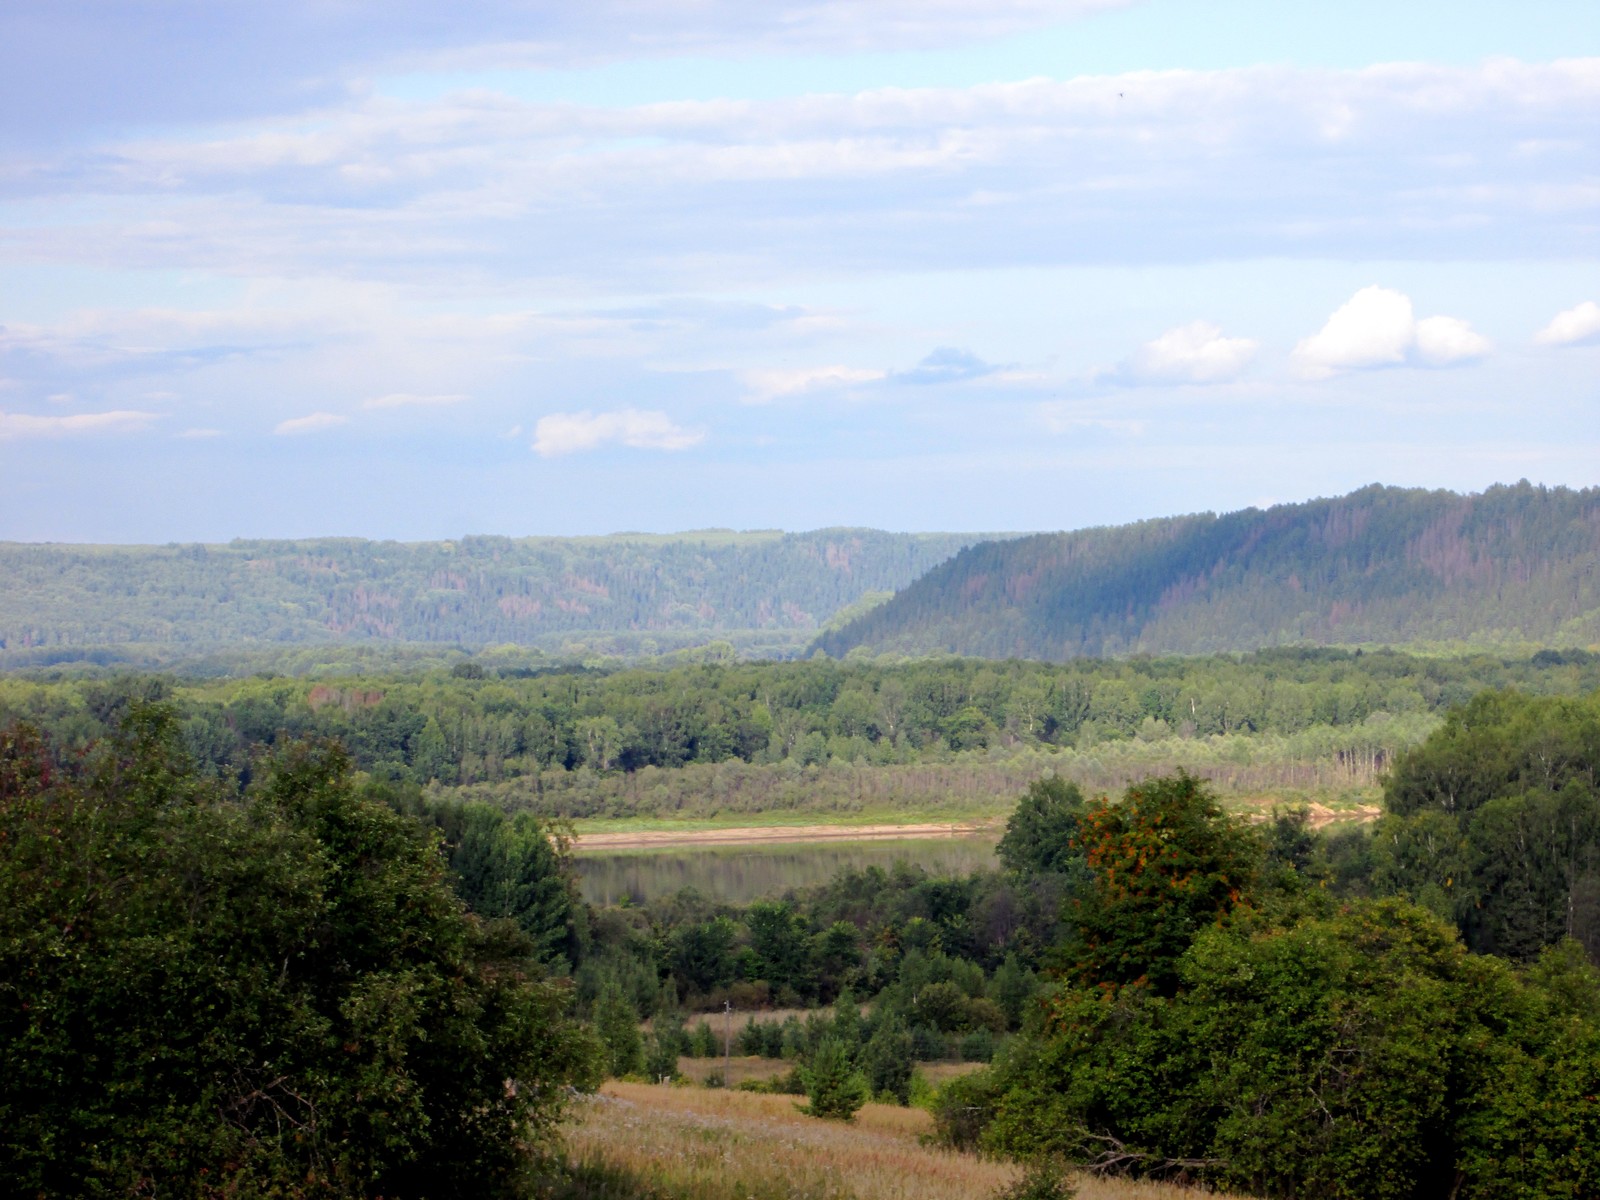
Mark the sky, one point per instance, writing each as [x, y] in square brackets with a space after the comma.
[418, 270]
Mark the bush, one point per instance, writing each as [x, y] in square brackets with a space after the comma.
[1043, 1180]
[964, 1107]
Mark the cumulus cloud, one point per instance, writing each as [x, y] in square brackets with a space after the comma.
[767, 386]
[409, 400]
[947, 364]
[1577, 326]
[1444, 341]
[25, 425]
[316, 422]
[569, 433]
[1193, 353]
[1377, 327]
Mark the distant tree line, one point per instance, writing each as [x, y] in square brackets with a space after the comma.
[479, 591]
[470, 726]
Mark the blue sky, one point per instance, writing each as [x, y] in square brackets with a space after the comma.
[417, 270]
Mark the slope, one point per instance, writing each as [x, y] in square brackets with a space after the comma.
[478, 590]
[1516, 564]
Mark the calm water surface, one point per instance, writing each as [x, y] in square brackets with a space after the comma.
[741, 874]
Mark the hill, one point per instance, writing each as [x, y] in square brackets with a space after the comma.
[1516, 564]
[768, 589]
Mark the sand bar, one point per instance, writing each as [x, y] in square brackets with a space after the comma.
[659, 839]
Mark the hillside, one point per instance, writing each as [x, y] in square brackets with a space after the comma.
[1517, 564]
[772, 588]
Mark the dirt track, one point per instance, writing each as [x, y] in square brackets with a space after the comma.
[772, 835]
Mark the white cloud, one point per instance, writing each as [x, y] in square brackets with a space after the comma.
[1373, 328]
[568, 433]
[22, 425]
[408, 400]
[201, 434]
[313, 423]
[1444, 341]
[1192, 353]
[1377, 327]
[766, 386]
[1577, 326]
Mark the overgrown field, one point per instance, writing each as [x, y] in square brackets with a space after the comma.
[648, 1142]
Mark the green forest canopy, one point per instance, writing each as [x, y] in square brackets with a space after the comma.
[1381, 566]
[766, 590]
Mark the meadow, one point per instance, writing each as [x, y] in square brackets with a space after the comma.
[652, 1142]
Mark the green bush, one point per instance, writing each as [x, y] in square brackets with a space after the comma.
[1364, 1055]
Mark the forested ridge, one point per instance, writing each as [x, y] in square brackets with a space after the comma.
[770, 589]
[1515, 564]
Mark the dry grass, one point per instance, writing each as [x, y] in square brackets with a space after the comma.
[695, 1144]
[740, 1067]
[938, 1073]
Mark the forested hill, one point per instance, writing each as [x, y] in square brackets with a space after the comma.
[665, 591]
[1516, 564]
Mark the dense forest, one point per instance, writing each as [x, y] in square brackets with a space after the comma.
[719, 738]
[636, 593]
[1514, 565]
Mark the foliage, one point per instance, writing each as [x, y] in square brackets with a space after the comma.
[1041, 832]
[1495, 822]
[835, 1089]
[278, 995]
[616, 1024]
[1362, 1054]
[1164, 863]
[764, 736]
[887, 1060]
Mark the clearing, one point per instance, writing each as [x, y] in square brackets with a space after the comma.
[691, 1143]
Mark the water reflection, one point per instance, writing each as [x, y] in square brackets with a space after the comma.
[739, 875]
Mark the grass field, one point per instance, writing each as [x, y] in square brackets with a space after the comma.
[649, 1142]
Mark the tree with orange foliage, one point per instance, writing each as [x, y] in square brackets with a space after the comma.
[1165, 862]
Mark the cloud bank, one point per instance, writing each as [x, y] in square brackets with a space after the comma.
[1161, 166]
